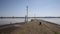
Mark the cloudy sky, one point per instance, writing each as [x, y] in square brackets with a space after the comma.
[38, 8]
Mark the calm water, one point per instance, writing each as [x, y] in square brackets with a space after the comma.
[17, 20]
[54, 20]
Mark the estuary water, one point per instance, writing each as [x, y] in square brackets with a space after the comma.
[18, 20]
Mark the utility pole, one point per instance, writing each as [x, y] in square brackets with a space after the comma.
[26, 16]
[34, 16]
[27, 12]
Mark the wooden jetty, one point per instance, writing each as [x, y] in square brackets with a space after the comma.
[32, 27]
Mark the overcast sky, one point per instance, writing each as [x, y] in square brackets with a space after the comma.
[35, 7]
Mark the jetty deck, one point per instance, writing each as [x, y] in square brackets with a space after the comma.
[33, 27]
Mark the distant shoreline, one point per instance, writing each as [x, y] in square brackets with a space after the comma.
[30, 17]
